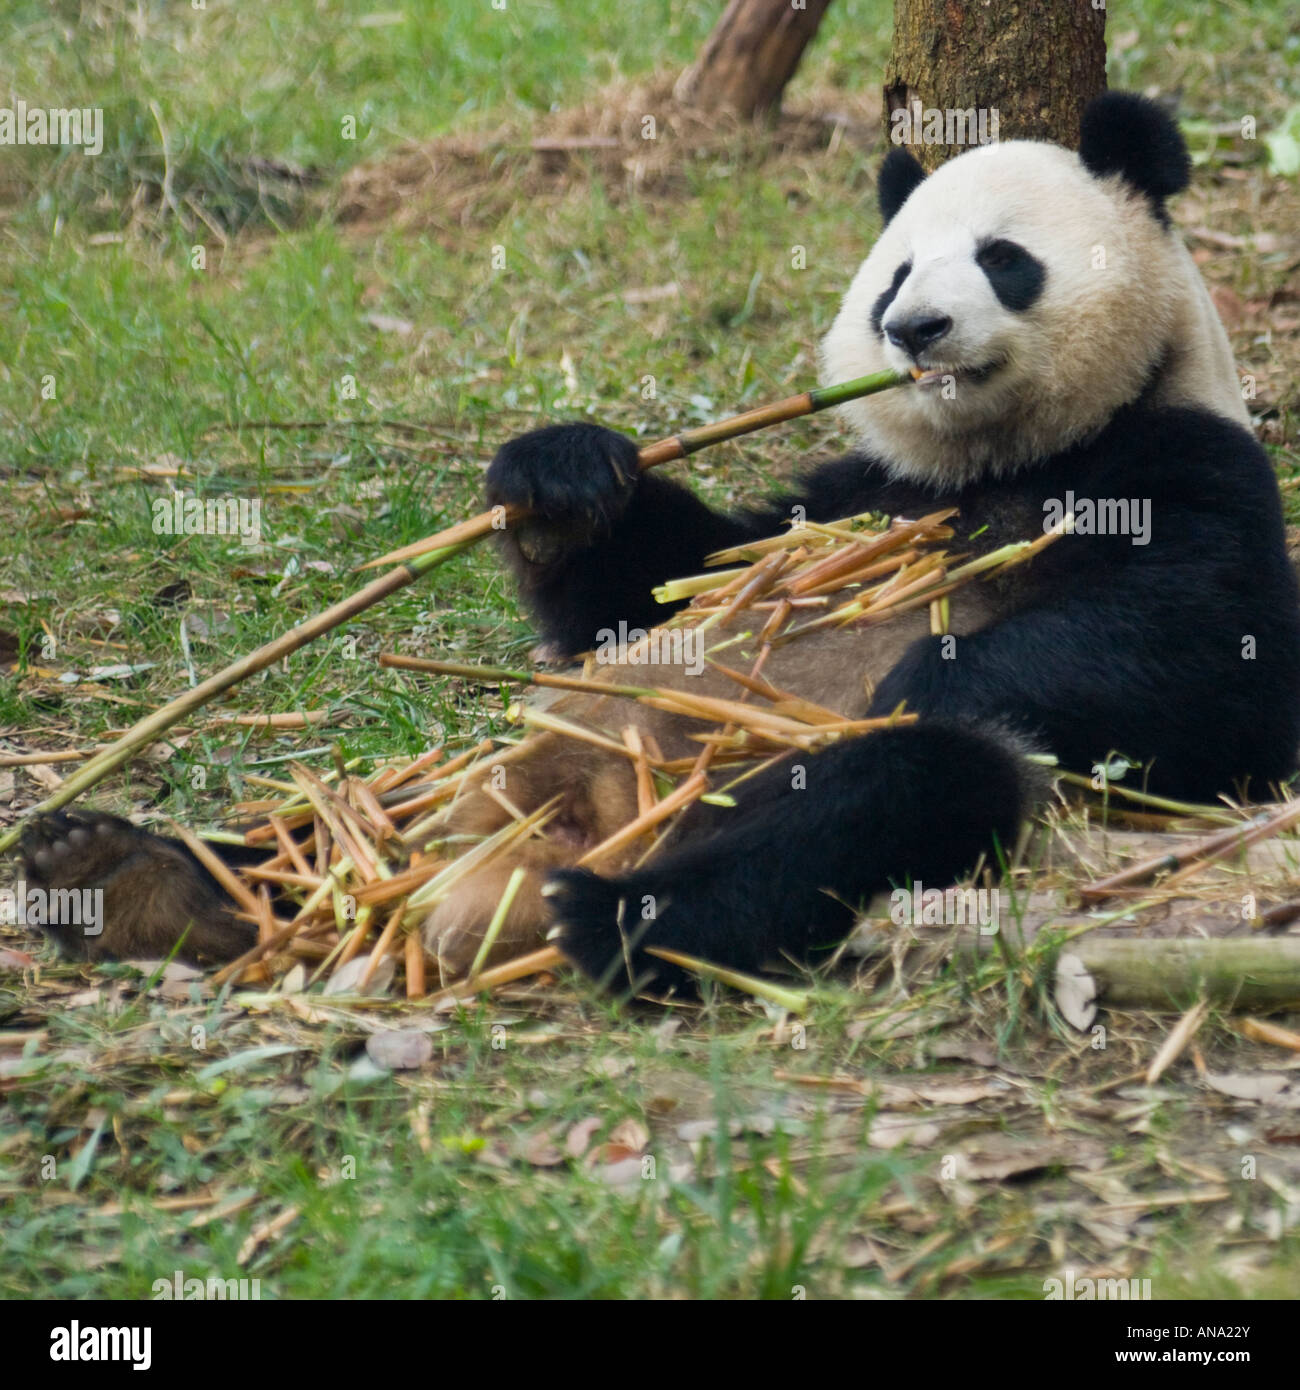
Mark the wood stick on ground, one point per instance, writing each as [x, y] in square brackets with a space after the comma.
[1148, 973]
[1196, 856]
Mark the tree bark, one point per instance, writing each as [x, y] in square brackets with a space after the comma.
[1036, 63]
[750, 56]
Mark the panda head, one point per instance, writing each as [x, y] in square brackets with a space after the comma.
[1032, 292]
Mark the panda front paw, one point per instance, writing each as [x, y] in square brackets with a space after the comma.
[575, 481]
[602, 926]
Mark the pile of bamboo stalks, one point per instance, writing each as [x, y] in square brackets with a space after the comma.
[356, 863]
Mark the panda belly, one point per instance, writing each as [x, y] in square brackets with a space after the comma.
[837, 668]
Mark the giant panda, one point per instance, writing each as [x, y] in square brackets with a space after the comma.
[1061, 342]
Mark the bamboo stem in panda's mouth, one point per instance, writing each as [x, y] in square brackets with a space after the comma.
[676, 446]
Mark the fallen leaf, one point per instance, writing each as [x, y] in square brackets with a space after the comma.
[1241, 1085]
[347, 979]
[1231, 306]
[238, 1060]
[120, 671]
[627, 1173]
[389, 323]
[1075, 992]
[890, 1131]
[400, 1049]
[632, 1134]
[579, 1137]
[540, 1150]
[961, 1091]
[613, 1066]
[981, 1054]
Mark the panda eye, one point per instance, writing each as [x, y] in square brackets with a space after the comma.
[999, 255]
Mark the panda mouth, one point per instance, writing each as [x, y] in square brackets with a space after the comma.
[927, 378]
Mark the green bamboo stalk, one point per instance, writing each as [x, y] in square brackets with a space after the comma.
[676, 446]
[499, 675]
[409, 564]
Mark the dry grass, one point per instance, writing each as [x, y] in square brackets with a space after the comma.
[449, 185]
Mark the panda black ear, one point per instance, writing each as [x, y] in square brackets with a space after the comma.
[1123, 133]
[899, 175]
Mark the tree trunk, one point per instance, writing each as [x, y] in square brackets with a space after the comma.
[1035, 63]
[750, 56]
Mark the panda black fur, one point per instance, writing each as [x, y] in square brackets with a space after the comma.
[1066, 344]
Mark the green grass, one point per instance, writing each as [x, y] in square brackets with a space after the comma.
[155, 363]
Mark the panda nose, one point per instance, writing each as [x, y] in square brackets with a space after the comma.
[916, 334]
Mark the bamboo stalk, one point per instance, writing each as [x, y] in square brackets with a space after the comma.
[217, 867]
[411, 770]
[517, 876]
[68, 755]
[795, 1001]
[1260, 1030]
[386, 938]
[1243, 972]
[289, 846]
[694, 787]
[547, 958]
[677, 446]
[492, 675]
[415, 987]
[142, 734]
[704, 707]
[645, 787]
[1176, 1043]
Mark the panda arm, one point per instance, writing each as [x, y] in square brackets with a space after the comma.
[1188, 665]
[665, 532]
[577, 586]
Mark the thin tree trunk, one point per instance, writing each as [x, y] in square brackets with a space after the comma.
[1036, 63]
[750, 56]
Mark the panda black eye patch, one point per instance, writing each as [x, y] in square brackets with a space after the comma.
[1016, 277]
[886, 297]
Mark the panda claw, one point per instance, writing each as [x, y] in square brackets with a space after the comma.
[593, 932]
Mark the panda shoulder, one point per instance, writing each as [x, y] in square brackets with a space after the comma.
[840, 486]
[1186, 444]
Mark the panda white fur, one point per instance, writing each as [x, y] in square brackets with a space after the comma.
[1120, 304]
[1064, 343]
